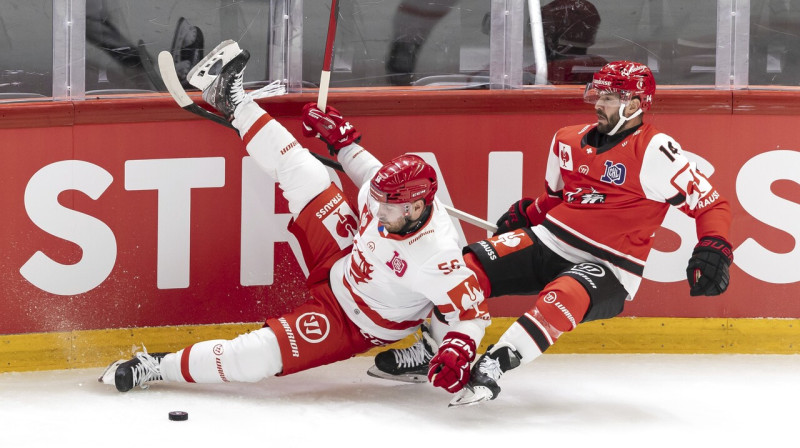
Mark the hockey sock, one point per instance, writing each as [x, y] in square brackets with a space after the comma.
[275, 150]
[250, 357]
[560, 306]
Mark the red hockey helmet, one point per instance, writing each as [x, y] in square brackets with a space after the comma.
[628, 79]
[404, 179]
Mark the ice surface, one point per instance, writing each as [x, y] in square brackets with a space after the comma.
[556, 401]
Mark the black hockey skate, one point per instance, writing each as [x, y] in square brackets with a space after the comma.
[485, 373]
[220, 76]
[409, 365]
[139, 371]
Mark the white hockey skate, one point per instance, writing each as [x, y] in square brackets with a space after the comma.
[206, 71]
[485, 373]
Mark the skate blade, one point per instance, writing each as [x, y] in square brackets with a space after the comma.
[108, 375]
[471, 396]
[200, 75]
[404, 378]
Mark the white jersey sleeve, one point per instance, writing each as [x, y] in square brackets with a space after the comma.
[668, 176]
[553, 172]
[358, 163]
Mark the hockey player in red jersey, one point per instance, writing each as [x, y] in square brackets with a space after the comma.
[582, 245]
[377, 267]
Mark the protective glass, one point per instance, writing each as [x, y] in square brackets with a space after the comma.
[605, 98]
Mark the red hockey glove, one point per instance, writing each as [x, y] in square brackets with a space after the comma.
[708, 268]
[330, 127]
[449, 369]
[516, 217]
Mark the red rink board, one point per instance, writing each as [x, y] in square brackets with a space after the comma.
[132, 155]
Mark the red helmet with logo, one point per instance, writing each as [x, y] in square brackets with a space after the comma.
[629, 79]
[404, 179]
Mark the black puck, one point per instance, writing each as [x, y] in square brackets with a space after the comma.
[178, 416]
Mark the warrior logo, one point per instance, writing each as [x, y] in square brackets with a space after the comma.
[550, 297]
[313, 327]
[397, 264]
[615, 173]
[360, 269]
[589, 197]
[590, 268]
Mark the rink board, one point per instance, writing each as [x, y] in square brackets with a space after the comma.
[97, 348]
[130, 213]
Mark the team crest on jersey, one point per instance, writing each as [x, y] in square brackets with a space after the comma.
[615, 173]
[565, 156]
[360, 269]
[583, 196]
[397, 264]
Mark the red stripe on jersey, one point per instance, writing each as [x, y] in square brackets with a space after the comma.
[260, 123]
[185, 365]
[377, 318]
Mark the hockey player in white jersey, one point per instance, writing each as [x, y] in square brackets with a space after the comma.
[377, 268]
[581, 246]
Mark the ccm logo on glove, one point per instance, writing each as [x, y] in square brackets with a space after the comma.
[449, 369]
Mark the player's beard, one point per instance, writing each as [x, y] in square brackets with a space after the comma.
[610, 122]
[396, 226]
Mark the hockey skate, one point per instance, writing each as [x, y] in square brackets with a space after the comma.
[139, 371]
[485, 373]
[220, 76]
[409, 365]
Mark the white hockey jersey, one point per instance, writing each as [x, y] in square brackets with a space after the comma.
[389, 283]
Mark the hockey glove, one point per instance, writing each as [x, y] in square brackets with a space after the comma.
[449, 369]
[516, 217]
[708, 268]
[330, 127]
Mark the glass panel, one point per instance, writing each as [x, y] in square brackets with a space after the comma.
[26, 49]
[675, 38]
[124, 37]
[775, 42]
[399, 43]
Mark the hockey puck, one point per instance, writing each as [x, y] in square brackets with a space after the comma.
[178, 416]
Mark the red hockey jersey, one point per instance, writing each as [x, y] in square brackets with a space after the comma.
[613, 198]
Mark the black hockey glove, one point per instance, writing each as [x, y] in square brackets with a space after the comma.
[708, 268]
[515, 218]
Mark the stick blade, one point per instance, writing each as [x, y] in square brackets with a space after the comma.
[166, 66]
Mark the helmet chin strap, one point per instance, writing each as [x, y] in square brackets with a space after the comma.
[412, 225]
[623, 119]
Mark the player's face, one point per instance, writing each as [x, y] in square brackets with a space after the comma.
[607, 109]
[393, 217]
